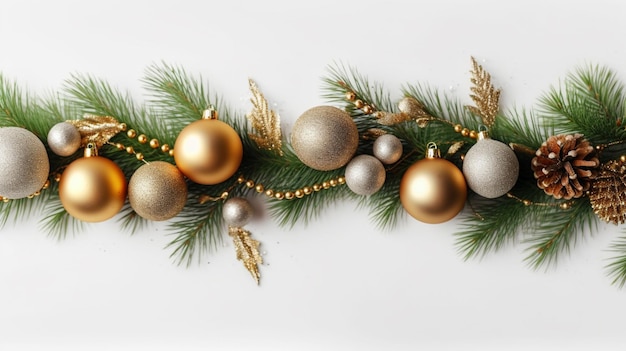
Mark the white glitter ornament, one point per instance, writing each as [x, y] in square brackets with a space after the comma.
[388, 149]
[490, 167]
[64, 139]
[237, 212]
[365, 175]
[24, 164]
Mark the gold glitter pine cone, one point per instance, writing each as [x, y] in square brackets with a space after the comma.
[608, 193]
[564, 166]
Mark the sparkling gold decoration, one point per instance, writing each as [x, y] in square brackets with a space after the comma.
[208, 151]
[97, 129]
[64, 139]
[92, 188]
[490, 167]
[157, 191]
[265, 121]
[485, 96]
[564, 166]
[325, 138]
[247, 251]
[433, 190]
[608, 192]
[410, 109]
[24, 164]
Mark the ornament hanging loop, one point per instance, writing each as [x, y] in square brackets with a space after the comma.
[433, 150]
[210, 113]
[483, 132]
[91, 150]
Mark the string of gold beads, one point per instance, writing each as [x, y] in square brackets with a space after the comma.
[466, 132]
[291, 194]
[45, 186]
[130, 150]
[563, 205]
[154, 143]
[360, 104]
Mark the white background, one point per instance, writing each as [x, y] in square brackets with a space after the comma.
[339, 283]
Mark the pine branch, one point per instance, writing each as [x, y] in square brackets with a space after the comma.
[616, 268]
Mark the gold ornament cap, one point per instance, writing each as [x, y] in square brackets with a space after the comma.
[433, 151]
[91, 150]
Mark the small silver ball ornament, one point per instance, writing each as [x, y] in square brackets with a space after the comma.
[24, 164]
[490, 167]
[325, 138]
[64, 139]
[237, 212]
[388, 149]
[365, 175]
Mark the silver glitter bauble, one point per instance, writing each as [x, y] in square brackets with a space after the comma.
[64, 139]
[388, 149]
[157, 191]
[325, 138]
[490, 167]
[237, 212]
[24, 164]
[365, 175]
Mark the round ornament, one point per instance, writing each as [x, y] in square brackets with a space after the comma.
[237, 212]
[157, 191]
[208, 151]
[325, 138]
[388, 149]
[64, 139]
[433, 190]
[490, 167]
[365, 175]
[92, 188]
[24, 164]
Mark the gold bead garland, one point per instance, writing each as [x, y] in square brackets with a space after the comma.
[45, 186]
[291, 194]
[154, 143]
[562, 205]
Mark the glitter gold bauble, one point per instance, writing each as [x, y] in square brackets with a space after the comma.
[64, 139]
[24, 164]
[490, 167]
[365, 175]
[92, 188]
[237, 212]
[157, 191]
[433, 189]
[388, 149]
[208, 151]
[325, 138]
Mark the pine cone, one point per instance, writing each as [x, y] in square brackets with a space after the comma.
[564, 166]
[608, 192]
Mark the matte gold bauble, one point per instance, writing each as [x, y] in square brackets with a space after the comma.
[157, 191]
[208, 151]
[92, 188]
[24, 164]
[325, 138]
[433, 190]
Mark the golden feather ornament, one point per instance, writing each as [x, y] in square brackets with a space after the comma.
[265, 122]
[485, 96]
[247, 251]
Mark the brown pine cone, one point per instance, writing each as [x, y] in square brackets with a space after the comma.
[564, 166]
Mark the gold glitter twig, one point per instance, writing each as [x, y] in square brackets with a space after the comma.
[484, 95]
[247, 251]
[265, 121]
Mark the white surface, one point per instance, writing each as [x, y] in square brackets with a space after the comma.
[338, 284]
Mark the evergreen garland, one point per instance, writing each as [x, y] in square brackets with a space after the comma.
[590, 101]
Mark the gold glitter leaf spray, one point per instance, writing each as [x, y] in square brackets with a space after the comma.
[265, 121]
[247, 251]
[97, 129]
[484, 95]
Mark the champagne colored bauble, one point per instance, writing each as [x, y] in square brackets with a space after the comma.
[64, 139]
[237, 212]
[490, 167]
[92, 188]
[388, 149]
[365, 175]
[24, 164]
[208, 151]
[157, 191]
[433, 190]
[325, 138]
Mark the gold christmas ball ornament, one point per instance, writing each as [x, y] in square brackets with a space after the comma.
[325, 138]
[237, 212]
[365, 175]
[388, 149]
[64, 139]
[490, 167]
[157, 191]
[433, 190]
[24, 164]
[92, 188]
[208, 151]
